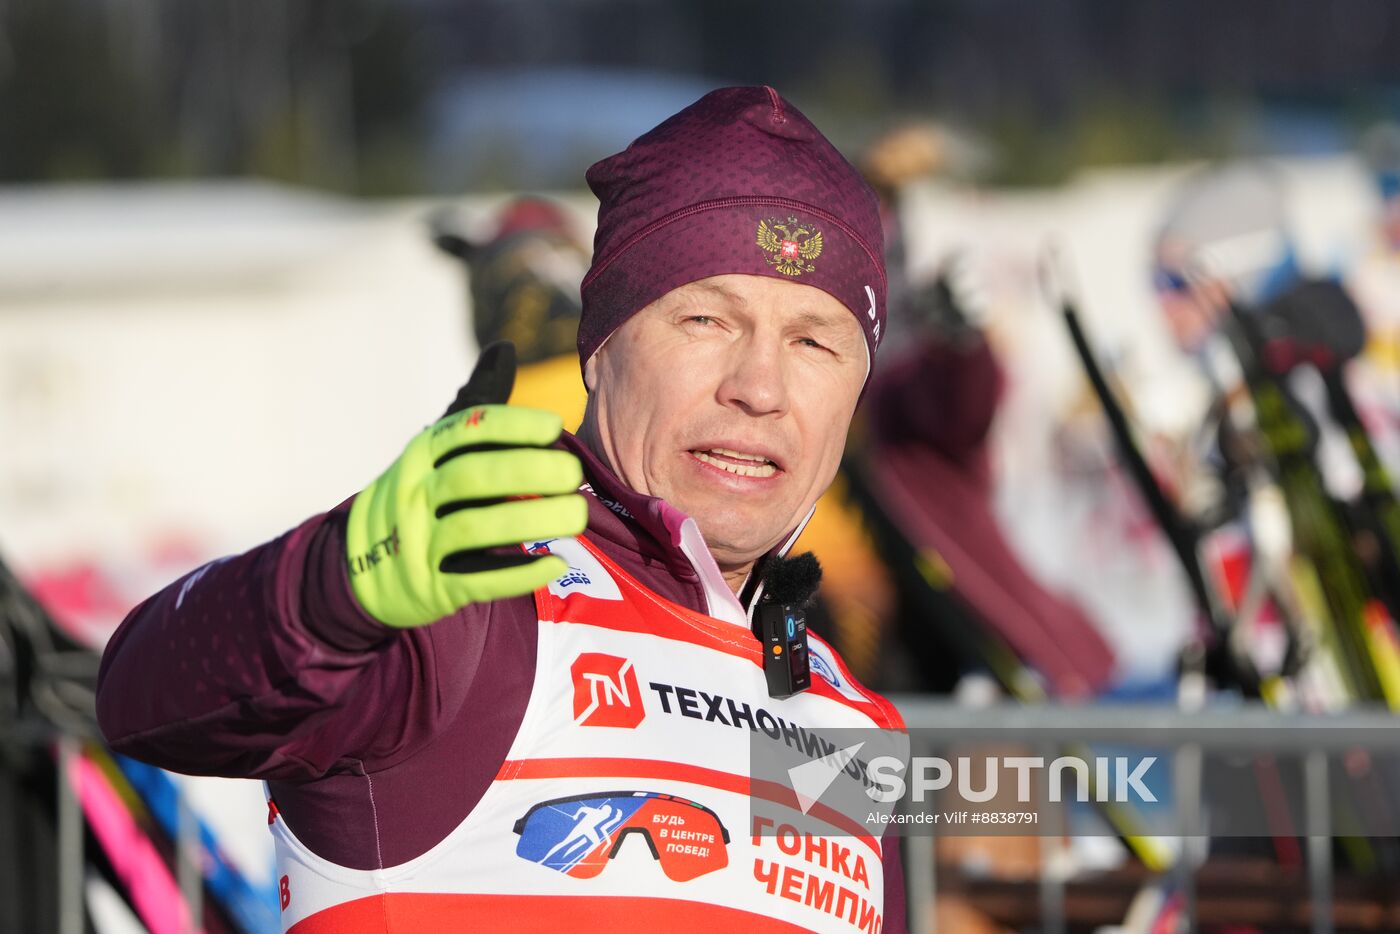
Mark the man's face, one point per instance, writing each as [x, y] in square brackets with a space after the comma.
[730, 398]
[1191, 304]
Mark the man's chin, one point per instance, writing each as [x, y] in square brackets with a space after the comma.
[735, 543]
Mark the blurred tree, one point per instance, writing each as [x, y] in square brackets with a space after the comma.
[71, 103]
[312, 91]
[337, 92]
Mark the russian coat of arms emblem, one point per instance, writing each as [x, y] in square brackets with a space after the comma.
[791, 246]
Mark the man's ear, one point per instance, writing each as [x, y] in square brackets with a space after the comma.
[590, 372]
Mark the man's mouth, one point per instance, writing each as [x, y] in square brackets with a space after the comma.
[736, 462]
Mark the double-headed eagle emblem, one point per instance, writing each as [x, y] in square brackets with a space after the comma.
[792, 246]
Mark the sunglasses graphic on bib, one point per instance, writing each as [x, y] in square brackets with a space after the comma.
[578, 835]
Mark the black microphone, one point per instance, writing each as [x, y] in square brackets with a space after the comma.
[780, 623]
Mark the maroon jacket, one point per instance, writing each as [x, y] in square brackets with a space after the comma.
[375, 742]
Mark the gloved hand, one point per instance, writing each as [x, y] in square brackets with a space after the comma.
[441, 528]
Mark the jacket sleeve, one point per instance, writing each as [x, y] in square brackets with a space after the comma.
[262, 665]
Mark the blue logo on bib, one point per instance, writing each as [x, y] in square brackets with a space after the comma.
[820, 666]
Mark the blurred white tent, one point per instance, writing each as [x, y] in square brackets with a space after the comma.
[214, 360]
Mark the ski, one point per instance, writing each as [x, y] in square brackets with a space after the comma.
[1349, 543]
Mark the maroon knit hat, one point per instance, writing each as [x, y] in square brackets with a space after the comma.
[738, 182]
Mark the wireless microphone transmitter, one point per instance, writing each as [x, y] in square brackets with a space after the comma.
[783, 632]
[780, 622]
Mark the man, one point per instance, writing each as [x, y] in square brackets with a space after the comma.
[510, 625]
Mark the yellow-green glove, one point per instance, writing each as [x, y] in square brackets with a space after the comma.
[442, 527]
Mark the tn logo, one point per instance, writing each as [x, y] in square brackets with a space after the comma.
[606, 691]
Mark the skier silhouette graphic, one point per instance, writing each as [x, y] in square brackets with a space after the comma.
[592, 825]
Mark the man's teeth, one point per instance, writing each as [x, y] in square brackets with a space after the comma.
[757, 466]
[756, 458]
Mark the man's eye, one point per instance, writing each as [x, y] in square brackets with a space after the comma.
[701, 319]
[808, 342]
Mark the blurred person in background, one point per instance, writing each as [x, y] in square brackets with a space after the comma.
[963, 613]
[967, 604]
[968, 617]
[1373, 276]
[1291, 510]
[893, 162]
[1224, 234]
[1224, 238]
[958, 600]
[1294, 508]
[524, 279]
[468, 686]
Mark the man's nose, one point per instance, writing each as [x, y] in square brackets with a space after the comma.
[755, 378]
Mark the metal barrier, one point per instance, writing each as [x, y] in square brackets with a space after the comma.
[1237, 726]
